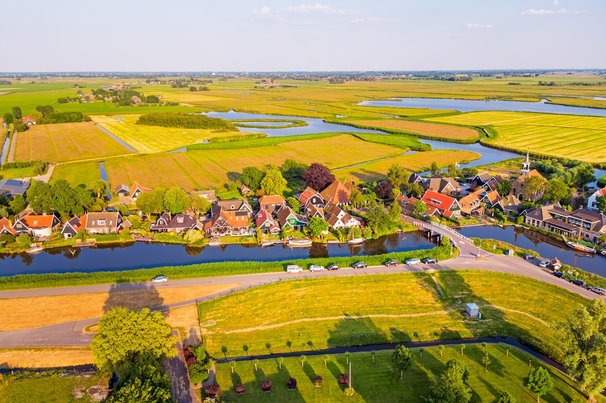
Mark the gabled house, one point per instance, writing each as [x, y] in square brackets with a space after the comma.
[28, 120]
[136, 189]
[492, 183]
[266, 223]
[13, 187]
[289, 220]
[448, 186]
[6, 228]
[73, 226]
[122, 190]
[337, 218]
[235, 205]
[479, 180]
[592, 203]
[337, 193]
[416, 178]
[271, 203]
[580, 224]
[491, 198]
[407, 204]
[313, 211]
[310, 197]
[517, 185]
[472, 203]
[444, 205]
[509, 205]
[176, 224]
[105, 222]
[229, 217]
[209, 195]
[37, 225]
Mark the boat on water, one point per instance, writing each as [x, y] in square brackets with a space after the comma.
[268, 244]
[33, 249]
[580, 247]
[299, 243]
[214, 242]
[356, 241]
[603, 252]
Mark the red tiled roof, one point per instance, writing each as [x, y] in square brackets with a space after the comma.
[439, 201]
[28, 119]
[271, 199]
[6, 226]
[38, 221]
[337, 192]
[307, 194]
[136, 186]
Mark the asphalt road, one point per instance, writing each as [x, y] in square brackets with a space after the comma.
[71, 333]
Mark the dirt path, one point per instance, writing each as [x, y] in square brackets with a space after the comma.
[182, 390]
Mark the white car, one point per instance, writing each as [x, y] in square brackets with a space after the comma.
[160, 279]
[293, 268]
[412, 261]
[316, 267]
[598, 290]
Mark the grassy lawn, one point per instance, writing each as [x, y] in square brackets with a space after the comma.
[197, 169]
[402, 141]
[385, 308]
[49, 388]
[77, 173]
[13, 173]
[65, 142]
[423, 129]
[377, 382]
[565, 136]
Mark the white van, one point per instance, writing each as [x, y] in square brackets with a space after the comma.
[293, 268]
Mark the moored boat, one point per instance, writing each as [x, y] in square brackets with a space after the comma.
[299, 243]
[580, 247]
[33, 249]
[356, 241]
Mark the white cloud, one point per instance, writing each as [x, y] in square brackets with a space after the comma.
[264, 10]
[316, 8]
[480, 26]
[549, 11]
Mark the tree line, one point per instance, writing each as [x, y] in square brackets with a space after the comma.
[185, 121]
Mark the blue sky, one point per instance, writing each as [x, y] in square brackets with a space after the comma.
[251, 35]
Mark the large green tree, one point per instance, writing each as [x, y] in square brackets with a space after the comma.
[316, 226]
[175, 200]
[124, 333]
[601, 203]
[584, 345]
[199, 205]
[151, 202]
[451, 386]
[539, 382]
[377, 219]
[8, 118]
[273, 183]
[557, 190]
[397, 175]
[17, 112]
[402, 359]
[534, 186]
[252, 177]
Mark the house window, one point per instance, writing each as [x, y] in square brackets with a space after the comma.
[101, 222]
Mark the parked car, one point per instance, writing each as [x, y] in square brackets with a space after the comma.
[160, 279]
[316, 267]
[359, 265]
[293, 268]
[598, 290]
[580, 283]
[391, 262]
[528, 257]
[429, 260]
[558, 274]
[412, 261]
[543, 263]
[333, 266]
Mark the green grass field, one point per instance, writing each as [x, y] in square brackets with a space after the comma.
[377, 382]
[573, 137]
[422, 129]
[65, 142]
[13, 173]
[385, 308]
[77, 173]
[48, 388]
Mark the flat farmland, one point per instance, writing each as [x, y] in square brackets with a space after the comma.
[424, 129]
[77, 173]
[66, 142]
[197, 169]
[417, 162]
[566, 136]
[151, 139]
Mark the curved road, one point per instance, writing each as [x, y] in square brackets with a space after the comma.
[72, 333]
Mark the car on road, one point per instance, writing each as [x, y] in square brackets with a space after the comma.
[333, 266]
[598, 290]
[359, 265]
[412, 261]
[528, 257]
[293, 268]
[558, 274]
[316, 267]
[391, 262]
[580, 283]
[543, 263]
[160, 279]
[429, 260]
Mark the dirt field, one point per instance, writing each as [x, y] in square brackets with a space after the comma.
[422, 128]
[45, 357]
[65, 142]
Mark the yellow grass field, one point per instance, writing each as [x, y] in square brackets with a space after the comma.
[150, 139]
[198, 169]
[65, 142]
[416, 162]
[573, 137]
[45, 357]
[24, 313]
[421, 128]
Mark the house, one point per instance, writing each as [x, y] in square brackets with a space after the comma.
[176, 224]
[448, 186]
[493, 182]
[122, 190]
[13, 187]
[510, 205]
[337, 218]
[244, 190]
[136, 189]
[313, 211]
[266, 223]
[310, 197]
[444, 205]
[517, 185]
[28, 120]
[209, 195]
[407, 204]
[289, 220]
[582, 223]
[592, 202]
[6, 228]
[37, 225]
[479, 180]
[229, 217]
[105, 222]
[491, 198]
[271, 203]
[416, 178]
[472, 204]
[337, 193]
[135, 100]
[555, 264]
[73, 226]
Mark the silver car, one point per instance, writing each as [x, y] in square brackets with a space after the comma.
[316, 267]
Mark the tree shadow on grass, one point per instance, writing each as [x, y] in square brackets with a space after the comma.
[356, 331]
[134, 296]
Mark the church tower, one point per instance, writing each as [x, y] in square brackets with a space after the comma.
[526, 165]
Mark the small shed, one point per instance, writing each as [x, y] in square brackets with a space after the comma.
[555, 264]
[472, 310]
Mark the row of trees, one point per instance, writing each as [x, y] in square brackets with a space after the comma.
[174, 200]
[64, 199]
[185, 121]
[275, 180]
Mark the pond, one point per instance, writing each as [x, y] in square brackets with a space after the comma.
[145, 255]
[466, 105]
[546, 246]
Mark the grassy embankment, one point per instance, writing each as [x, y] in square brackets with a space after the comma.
[48, 387]
[374, 380]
